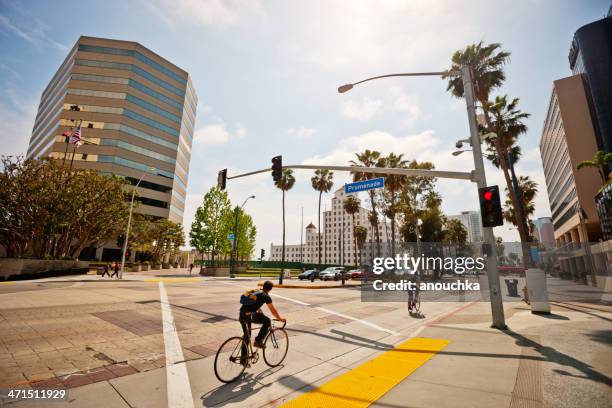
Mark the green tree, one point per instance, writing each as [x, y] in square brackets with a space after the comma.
[529, 190]
[506, 121]
[246, 235]
[47, 210]
[415, 196]
[286, 183]
[392, 190]
[351, 206]
[455, 233]
[322, 181]
[210, 227]
[369, 158]
[166, 239]
[361, 235]
[599, 161]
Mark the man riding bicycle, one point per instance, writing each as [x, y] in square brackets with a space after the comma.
[250, 312]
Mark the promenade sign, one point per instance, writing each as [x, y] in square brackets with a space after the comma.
[364, 185]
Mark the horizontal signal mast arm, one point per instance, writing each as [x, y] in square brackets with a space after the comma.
[375, 170]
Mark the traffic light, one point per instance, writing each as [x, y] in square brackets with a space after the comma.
[277, 168]
[222, 179]
[490, 206]
[263, 254]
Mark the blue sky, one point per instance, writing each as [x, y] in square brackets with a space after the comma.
[266, 75]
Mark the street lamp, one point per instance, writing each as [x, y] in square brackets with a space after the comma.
[458, 152]
[235, 240]
[127, 230]
[497, 309]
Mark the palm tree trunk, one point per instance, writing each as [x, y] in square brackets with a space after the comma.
[355, 240]
[319, 231]
[283, 252]
[375, 223]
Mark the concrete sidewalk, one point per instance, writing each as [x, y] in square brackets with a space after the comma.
[559, 360]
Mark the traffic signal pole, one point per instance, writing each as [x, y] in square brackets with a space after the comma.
[497, 307]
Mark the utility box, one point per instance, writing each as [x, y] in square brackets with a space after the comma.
[537, 291]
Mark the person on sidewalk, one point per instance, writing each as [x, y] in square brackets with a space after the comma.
[115, 270]
[190, 268]
[105, 270]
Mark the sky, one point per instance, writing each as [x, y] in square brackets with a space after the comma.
[266, 74]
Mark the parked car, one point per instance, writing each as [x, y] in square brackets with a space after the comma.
[359, 274]
[308, 274]
[331, 273]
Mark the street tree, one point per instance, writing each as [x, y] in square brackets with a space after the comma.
[391, 196]
[361, 235]
[285, 183]
[351, 206]
[369, 158]
[415, 195]
[455, 232]
[528, 191]
[210, 228]
[322, 181]
[599, 161]
[48, 210]
[245, 236]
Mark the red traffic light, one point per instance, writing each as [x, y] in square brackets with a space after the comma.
[488, 195]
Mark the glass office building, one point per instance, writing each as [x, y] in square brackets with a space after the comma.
[137, 112]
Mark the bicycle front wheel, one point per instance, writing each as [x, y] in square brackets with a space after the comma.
[277, 345]
[228, 364]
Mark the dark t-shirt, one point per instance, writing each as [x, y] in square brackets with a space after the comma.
[262, 298]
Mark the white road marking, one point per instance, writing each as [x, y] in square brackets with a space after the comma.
[177, 378]
[322, 309]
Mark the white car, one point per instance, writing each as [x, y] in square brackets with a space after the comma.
[331, 273]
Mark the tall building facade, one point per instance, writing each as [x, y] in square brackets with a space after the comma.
[568, 137]
[591, 56]
[544, 231]
[337, 243]
[137, 113]
[472, 223]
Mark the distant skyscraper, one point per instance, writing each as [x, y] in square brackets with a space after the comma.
[472, 223]
[544, 231]
[137, 112]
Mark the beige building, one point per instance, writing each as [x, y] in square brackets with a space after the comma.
[335, 246]
[568, 137]
[137, 112]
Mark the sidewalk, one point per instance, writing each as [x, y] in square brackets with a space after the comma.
[561, 360]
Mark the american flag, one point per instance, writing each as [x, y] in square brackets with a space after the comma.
[75, 137]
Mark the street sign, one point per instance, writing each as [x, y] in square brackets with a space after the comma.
[364, 185]
[231, 236]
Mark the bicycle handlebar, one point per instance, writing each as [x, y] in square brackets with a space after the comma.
[284, 323]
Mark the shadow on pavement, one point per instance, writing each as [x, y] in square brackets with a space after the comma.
[243, 388]
[549, 354]
[602, 336]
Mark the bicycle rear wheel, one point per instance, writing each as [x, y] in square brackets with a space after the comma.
[277, 345]
[228, 366]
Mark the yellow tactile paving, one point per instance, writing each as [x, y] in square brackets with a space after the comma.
[368, 382]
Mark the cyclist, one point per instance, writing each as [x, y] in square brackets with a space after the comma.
[250, 312]
[413, 294]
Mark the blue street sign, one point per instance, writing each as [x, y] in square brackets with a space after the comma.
[364, 185]
[231, 236]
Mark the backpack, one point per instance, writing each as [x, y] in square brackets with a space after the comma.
[249, 297]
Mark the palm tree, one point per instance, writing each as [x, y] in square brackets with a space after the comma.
[507, 123]
[285, 183]
[528, 189]
[369, 158]
[351, 206]
[322, 181]
[393, 186]
[599, 161]
[361, 235]
[455, 232]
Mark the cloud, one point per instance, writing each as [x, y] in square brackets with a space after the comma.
[206, 13]
[301, 133]
[35, 36]
[217, 134]
[362, 110]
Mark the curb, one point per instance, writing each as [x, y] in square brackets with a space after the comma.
[260, 284]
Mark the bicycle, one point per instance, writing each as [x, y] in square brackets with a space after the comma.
[414, 306]
[229, 360]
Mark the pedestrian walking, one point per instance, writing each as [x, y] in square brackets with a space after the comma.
[190, 268]
[105, 270]
[115, 270]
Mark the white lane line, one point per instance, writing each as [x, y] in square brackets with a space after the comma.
[322, 309]
[177, 378]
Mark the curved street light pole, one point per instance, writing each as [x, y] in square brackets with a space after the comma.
[127, 230]
[497, 308]
[234, 257]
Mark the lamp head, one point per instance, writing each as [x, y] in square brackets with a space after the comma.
[345, 88]
[458, 152]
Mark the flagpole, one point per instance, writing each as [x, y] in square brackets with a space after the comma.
[76, 144]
